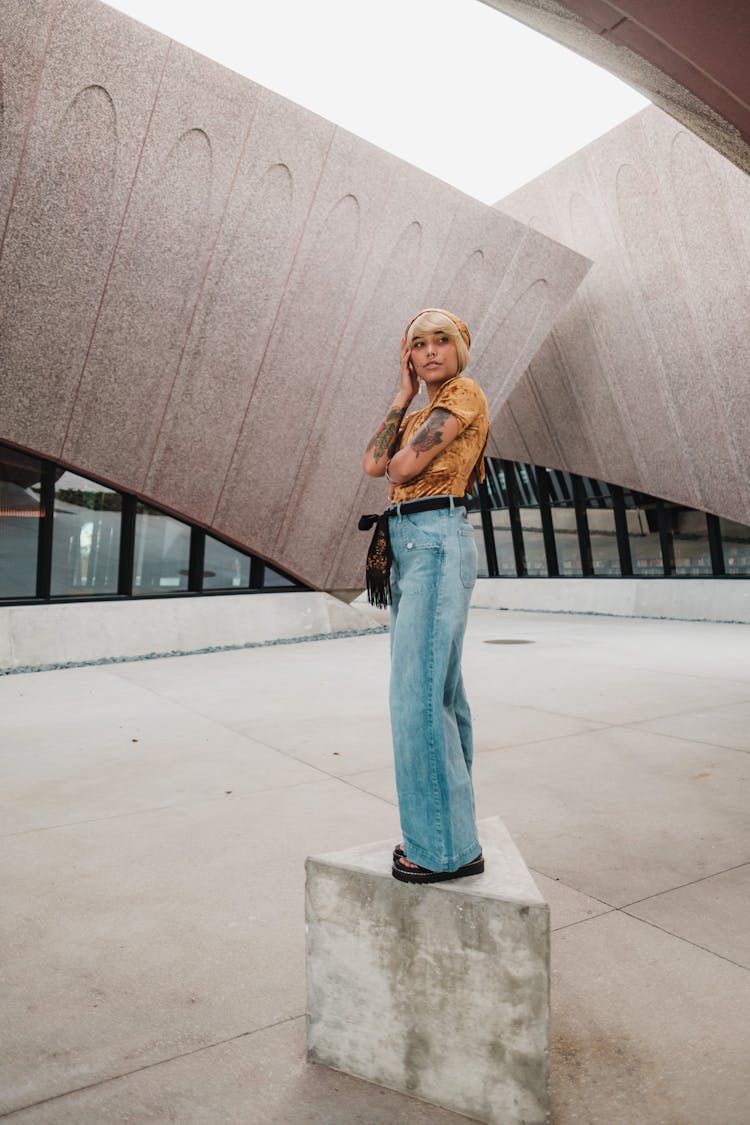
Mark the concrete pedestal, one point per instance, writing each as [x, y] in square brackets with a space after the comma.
[439, 991]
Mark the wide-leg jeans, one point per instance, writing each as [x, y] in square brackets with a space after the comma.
[433, 573]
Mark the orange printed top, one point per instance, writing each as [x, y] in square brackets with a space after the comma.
[454, 471]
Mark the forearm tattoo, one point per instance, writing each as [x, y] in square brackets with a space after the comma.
[431, 433]
[383, 441]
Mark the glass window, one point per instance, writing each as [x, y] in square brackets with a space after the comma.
[736, 540]
[566, 540]
[224, 567]
[20, 513]
[476, 522]
[533, 543]
[273, 578]
[506, 559]
[86, 538]
[692, 554]
[162, 553]
[602, 533]
[645, 545]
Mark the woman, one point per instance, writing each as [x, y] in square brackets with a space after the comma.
[431, 459]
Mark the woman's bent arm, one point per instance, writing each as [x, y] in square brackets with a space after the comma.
[437, 432]
[382, 444]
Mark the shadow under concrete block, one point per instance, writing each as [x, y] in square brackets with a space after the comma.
[438, 991]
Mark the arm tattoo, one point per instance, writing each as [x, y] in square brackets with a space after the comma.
[431, 433]
[384, 440]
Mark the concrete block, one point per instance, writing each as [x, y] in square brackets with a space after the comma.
[438, 991]
[69, 633]
[687, 599]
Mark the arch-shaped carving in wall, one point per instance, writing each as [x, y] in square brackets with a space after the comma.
[135, 351]
[225, 350]
[56, 255]
[301, 353]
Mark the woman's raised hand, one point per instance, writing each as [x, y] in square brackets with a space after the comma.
[384, 441]
[409, 380]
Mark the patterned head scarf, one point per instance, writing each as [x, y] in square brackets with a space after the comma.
[451, 316]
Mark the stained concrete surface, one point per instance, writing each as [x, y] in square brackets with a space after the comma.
[156, 817]
[440, 992]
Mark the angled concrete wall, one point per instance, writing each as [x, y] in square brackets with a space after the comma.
[644, 379]
[203, 286]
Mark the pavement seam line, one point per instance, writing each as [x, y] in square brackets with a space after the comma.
[687, 941]
[684, 738]
[164, 808]
[152, 1065]
[689, 883]
[570, 887]
[654, 925]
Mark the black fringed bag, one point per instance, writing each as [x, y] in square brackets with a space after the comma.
[379, 558]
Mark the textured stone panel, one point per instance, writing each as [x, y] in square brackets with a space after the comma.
[245, 283]
[22, 48]
[718, 284]
[462, 272]
[438, 991]
[190, 158]
[526, 280]
[404, 255]
[307, 335]
[100, 77]
[204, 287]
[654, 341]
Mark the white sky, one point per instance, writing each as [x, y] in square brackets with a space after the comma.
[452, 86]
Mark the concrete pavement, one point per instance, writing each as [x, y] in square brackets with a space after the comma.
[156, 816]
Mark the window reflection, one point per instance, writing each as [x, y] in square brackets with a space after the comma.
[274, 578]
[533, 542]
[736, 540]
[224, 567]
[86, 538]
[162, 553]
[604, 552]
[566, 540]
[20, 512]
[692, 554]
[648, 528]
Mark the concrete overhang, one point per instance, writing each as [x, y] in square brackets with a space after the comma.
[688, 57]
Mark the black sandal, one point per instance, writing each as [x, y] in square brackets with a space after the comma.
[421, 875]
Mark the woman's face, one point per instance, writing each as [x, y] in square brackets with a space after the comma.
[434, 357]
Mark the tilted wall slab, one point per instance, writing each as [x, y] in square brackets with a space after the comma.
[85, 111]
[643, 380]
[203, 287]
[440, 991]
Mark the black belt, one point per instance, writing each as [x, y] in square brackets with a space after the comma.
[379, 556]
[428, 505]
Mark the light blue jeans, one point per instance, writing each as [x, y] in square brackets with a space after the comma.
[433, 573]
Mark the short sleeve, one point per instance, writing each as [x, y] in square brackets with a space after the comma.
[464, 399]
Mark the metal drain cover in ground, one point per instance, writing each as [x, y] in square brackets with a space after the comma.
[509, 641]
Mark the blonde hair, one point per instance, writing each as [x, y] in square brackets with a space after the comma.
[440, 320]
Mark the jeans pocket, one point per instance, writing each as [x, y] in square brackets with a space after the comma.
[468, 552]
[420, 537]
